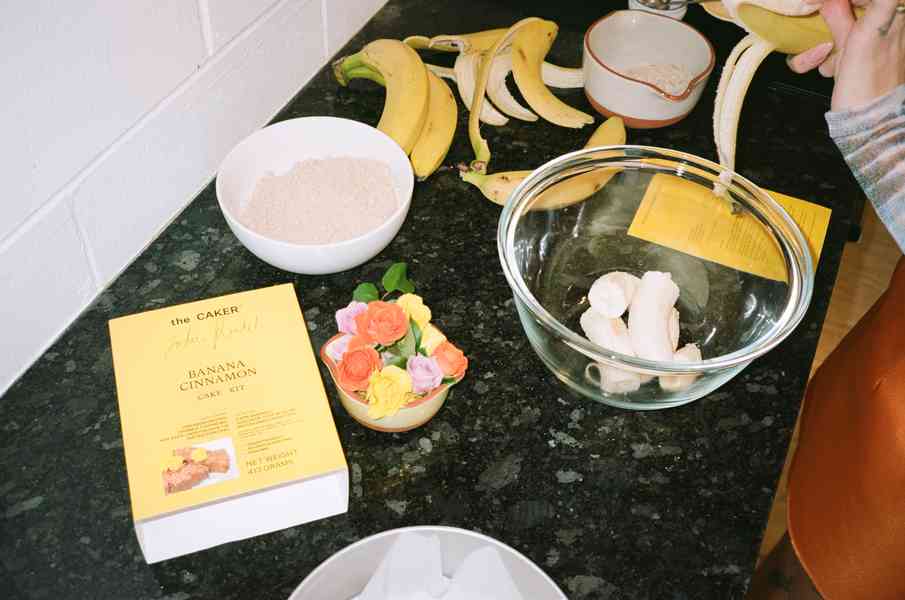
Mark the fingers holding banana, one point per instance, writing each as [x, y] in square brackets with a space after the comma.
[868, 58]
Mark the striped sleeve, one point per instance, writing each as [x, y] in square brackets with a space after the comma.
[872, 140]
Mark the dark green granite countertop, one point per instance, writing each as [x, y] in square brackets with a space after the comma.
[612, 504]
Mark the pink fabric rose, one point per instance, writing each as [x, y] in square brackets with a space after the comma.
[337, 347]
[425, 373]
[345, 317]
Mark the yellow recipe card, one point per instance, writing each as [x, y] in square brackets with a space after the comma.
[226, 426]
[683, 215]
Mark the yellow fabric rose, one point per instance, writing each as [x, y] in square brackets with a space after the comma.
[431, 337]
[415, 309]
[388, 391]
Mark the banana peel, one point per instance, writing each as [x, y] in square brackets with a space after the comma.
[787, 26]
[530, 46]
[481, 41]
[478, 143]
[497, 187]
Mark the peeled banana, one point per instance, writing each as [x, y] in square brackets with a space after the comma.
[497, 187]
[406, 106]
[529, 47]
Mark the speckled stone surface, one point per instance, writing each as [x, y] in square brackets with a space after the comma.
[612, 504]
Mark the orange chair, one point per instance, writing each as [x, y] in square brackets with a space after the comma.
[846, 497]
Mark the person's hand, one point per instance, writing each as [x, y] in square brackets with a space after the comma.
[870, 57]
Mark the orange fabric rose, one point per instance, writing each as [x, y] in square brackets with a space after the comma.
[383, 322]
[356, 367]
[357, 342]
[451, 360]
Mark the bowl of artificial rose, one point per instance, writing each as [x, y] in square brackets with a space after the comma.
[392, 367]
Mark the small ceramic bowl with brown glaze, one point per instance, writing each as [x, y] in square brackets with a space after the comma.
[646, 68]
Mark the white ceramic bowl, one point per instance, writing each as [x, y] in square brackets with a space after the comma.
[345, 574]
[626, 39]
[276, 149]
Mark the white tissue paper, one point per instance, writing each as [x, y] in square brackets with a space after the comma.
[482, 576]
[413, 570]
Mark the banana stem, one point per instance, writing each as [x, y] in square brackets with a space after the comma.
[418, 42]
[365, 73]
[475, 178]
[342, 66]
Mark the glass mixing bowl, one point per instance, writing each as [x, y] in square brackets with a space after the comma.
[745, 274]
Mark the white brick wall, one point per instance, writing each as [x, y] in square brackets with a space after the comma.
[116, 114]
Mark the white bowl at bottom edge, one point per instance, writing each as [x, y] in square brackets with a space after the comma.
[345, 574]
[276, 149]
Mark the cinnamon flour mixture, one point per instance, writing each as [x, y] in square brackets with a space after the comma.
[322, 201]
[672, 79]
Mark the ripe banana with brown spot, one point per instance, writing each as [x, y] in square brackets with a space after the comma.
[497, 187]
[407, 85]
[529, 47]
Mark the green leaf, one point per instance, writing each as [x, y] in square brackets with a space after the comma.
[395, 279]
[397, 361]
[406, 346]
[449, 380]
[416, 331]
[365, 292]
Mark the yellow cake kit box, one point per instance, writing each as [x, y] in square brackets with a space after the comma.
[226, 425]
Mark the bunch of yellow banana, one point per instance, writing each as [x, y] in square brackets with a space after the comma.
[419, 112]
[497, 187]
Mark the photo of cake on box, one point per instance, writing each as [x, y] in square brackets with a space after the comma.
[188, 467]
